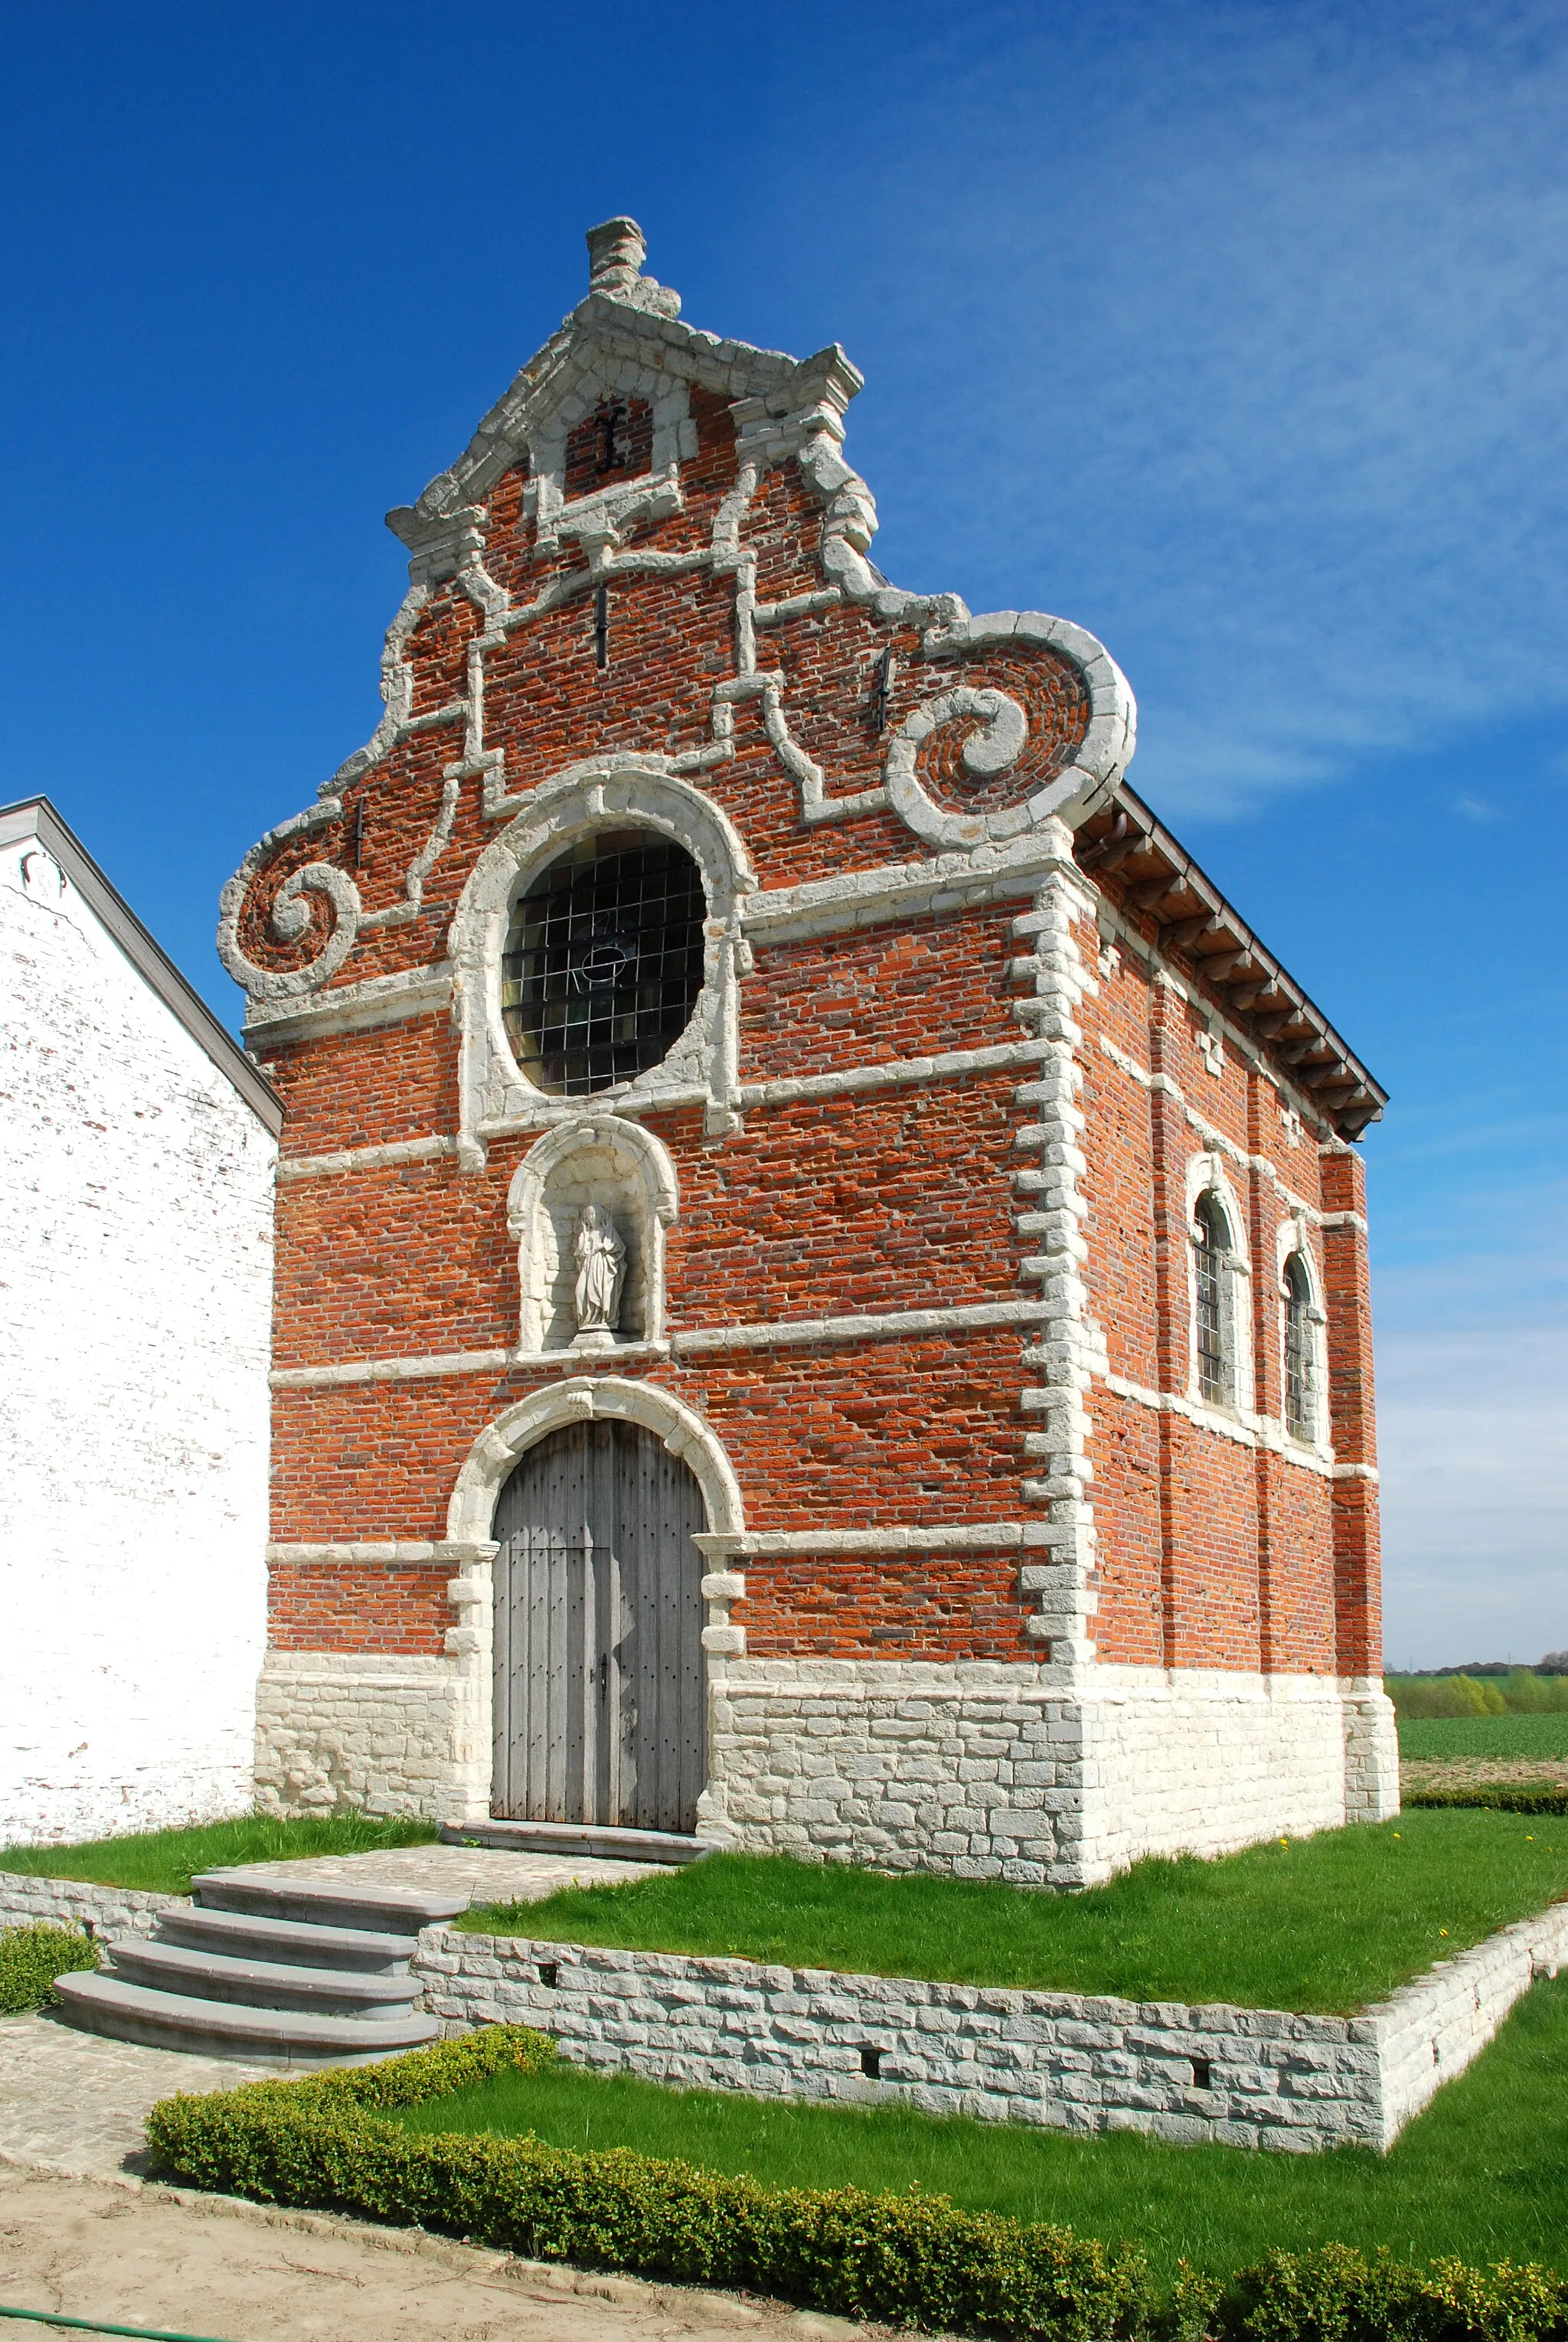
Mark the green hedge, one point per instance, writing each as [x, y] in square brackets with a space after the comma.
[904, 2261]
[1498, 1795]
[322, 2142]
[1335, 2295]
[31, 1957]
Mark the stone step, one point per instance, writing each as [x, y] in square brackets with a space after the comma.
[611, 1845]
[262, 1984]
[240, 1936]
[374, 1910]
[168, 2020]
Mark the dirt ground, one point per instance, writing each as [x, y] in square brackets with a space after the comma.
[1427, 1773]
[138, 2253]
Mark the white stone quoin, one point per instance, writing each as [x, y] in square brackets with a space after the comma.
[137, 1147]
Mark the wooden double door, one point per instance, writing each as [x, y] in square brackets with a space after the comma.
[599, 1696]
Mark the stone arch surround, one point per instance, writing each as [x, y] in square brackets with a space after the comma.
[644, 1177]
[490, 1463]
[611, 791]
[327, 1721]
[495, 1453]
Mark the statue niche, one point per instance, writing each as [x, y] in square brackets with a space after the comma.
[588, 1206]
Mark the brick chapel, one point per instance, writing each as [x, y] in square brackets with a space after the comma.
[821, 1268]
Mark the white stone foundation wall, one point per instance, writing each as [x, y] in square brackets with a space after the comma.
[1371, 1751]
[101, 1911]
[1063, 2061]
[1203, 1761]
[340, 1732]
[1037, 1774]
[966, 1768]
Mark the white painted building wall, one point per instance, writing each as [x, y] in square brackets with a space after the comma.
[135, 1286]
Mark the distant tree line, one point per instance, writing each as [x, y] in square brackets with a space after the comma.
[1556, 1662]
[1494, 1689]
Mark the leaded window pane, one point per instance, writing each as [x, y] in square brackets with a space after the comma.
[1213, 1371]
[1298, 1350]
[603, 962]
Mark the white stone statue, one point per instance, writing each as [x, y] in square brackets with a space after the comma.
[601, 1259]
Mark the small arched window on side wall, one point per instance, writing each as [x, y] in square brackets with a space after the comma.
[1213, 1343]
[1300, 1351]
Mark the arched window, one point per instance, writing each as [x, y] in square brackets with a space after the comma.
[604, 961]
[1301, 1408]
[1212, 1246]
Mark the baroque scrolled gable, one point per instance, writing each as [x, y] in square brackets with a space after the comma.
[644, 486]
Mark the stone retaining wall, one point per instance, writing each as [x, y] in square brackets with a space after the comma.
[1430, 2031]
[1066, 2061]
[103, 1911]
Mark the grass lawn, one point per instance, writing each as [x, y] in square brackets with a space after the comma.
[1325, 1923]
[1491, 1739]
[1479, 2175]
[162, 1862]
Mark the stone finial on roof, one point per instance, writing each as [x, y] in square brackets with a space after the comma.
[616, 250]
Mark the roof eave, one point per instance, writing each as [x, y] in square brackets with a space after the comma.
[36, 816]
[1186, 908]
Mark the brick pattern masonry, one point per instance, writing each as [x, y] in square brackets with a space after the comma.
[136, 1233]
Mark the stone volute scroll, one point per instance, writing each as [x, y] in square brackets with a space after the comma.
[588, 1207]
[601, 1261]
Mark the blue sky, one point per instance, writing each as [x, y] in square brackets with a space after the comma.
[1237, 334]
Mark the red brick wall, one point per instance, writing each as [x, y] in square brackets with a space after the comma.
[929, 984]
[1358, 1559]
[343, 1606]
[838, 1435]
[1213, 1553]
[900, 1200]
[948, 1606]
[370, 1089]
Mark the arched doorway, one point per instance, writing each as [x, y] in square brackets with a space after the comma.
[600, 1711]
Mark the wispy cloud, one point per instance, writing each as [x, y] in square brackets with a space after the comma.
[1261, 365]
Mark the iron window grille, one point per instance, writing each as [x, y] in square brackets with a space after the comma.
[1212, 1247]
[603, 962]
[1298, 1349]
